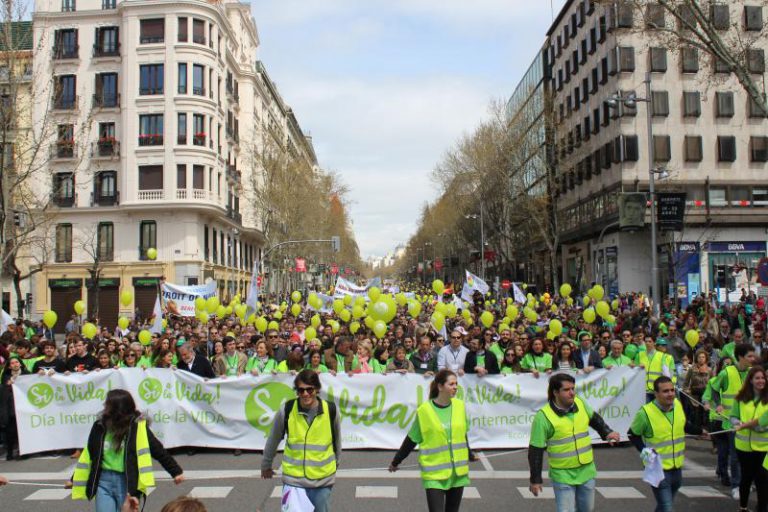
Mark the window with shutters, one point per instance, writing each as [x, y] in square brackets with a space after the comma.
[602, 29]
[689, 60]
[662, 151]
[624, 15]
[105, 188]
[686, 18]
[198, 31]
[658, 58]
[107, 42]
[151, 79]
[726, 148]
[626, 56]
[604, 70]
[758, 149]
[756, 60]
[198, 177]
[753, 17]
[63, 190]
[693, 148]
[105, 241]
[724, 104]
[65, 44]
[755, 109]
[654, 15]
[181, 177]
[596, 121]
[183, 30]
[720, 16]
[691, 104]
[660, 103]
[151, 130]
[63, 243]
[147, 237]
[152, 31]
[625, 149]
[721, 66]
[151, 177]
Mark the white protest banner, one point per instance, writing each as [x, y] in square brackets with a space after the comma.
[344, 287]
[180, 300]
[471, 285]
[55, 413]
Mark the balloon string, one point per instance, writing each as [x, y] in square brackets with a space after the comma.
[723, 416]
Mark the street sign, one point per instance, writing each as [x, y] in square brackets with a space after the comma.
[506, 284]
[301, 265]
[671, 211]
[438, 265]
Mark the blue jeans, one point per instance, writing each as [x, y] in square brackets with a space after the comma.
[575, 498]
[320, 497]
[733, 460]
[111, 492]
[665, 492]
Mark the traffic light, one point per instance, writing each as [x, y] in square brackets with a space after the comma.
[336, 242]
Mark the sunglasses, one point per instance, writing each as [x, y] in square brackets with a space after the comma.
[302, 390]
[455, 337]
[128, 356]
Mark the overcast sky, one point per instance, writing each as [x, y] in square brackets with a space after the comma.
[386, 87]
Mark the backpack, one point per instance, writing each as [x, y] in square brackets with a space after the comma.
[331, 412]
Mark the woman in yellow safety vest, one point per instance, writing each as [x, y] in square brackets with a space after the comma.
[440, 429]
[749, 415]
[117, 461]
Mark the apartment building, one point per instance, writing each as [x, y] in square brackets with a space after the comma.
[158, 107]
[707, 134]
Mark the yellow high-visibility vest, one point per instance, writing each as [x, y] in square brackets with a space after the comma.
[570, 447]
[309, 449]
[143, 461]
[748, 440]
[439, 456]
[668, 437]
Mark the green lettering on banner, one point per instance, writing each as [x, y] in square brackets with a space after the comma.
[601, 389]
[150, 390]
[197, 394]
[87, 392]
[398, 414]
[483, 393]
[263, 402]
[40, 394]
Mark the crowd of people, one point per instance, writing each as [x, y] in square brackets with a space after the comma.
[708, 371]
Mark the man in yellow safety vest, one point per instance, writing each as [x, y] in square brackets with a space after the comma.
[661, 426]
[313, 443]
[656, 363]
[561, 428]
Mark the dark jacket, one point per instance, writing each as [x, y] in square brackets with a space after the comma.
[7, 405]
[201, 367]
[421, 366]
[594, 359]
[96, 448]
[470, 363]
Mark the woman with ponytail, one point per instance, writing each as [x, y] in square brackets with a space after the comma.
[440, 429]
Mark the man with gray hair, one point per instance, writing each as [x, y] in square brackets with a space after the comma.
[453, 355]
[190, 361]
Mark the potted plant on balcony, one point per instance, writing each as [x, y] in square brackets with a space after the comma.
[200, 138]
[106, 144]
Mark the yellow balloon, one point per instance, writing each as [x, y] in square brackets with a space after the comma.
[486, 318]
[152, 253]
[79, 307]
[89, 330]
[123, 323]
[589, 315]
[126, 297]
[310, 333]
[295, 310]
[50, 318]
[315, 321]
[145, 337]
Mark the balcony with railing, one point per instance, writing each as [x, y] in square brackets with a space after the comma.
[106, 50]
[106, 147]
[151, 195]
[63, 150]
[106, 100]
[153, 139]
[98, 198]
[181, 193]
[198, 91]
[199, 139]
[64, 200]
[199, 194]
[66, 51]
[108, 4]
[234, 215]
[65, 102]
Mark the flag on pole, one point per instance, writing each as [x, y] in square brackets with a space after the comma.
[472, 284]
[253, 290]
[6, 320]
[157, 313]
[518, 293]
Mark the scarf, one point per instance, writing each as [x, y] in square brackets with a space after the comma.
[364, 368]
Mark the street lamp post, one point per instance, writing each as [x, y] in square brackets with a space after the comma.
[429, 244]
[482, 239]
[630, 101]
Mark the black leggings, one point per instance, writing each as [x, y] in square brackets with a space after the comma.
[752, 470]
[444, 501]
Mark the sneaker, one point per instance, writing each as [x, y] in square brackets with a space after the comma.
[735, 493]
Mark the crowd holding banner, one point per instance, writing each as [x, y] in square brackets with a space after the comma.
[217, 369]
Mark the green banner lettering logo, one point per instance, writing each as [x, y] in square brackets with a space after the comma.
[263, 402]
[40, 395]
[150, 390]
